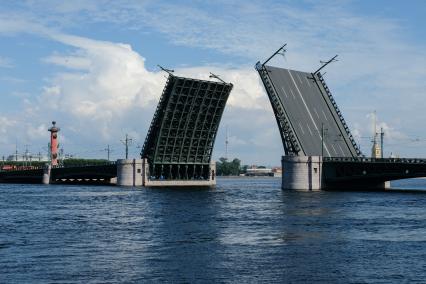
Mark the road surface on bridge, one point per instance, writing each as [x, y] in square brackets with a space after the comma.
[309, 109]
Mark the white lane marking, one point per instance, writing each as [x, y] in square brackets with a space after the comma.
[298, 77]
[291, 91]
[285, 93]
[310, 115]
[310, 131]
[307, 81]
[315, 110]
[334, 149]
[341, 150]
[301, 128]
[323, 113]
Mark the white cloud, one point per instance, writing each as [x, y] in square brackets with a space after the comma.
[37, 132]
[235, 141]
[6, 127]
[113, 79]
[71, 62]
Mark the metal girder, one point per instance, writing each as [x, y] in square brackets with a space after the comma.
[290, 142]
[319, 78]
[180, 140]
[344, 173]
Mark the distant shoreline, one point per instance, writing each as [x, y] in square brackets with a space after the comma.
[246, 177]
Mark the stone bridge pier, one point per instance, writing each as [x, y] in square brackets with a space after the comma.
[302, 173]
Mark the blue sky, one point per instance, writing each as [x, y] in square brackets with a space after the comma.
[91, 66]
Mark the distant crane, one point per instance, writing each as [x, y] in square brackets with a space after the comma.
[16, 150]
[108, 150]
[126, 142]
[27, 155]
[382, 134]
[226, 143]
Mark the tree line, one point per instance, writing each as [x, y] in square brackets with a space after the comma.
[230, 168]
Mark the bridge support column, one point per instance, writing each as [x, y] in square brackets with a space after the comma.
[302, 173]
[210, 181]
[46, 174]
[129, 172]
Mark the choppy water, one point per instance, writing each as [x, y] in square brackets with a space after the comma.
[245, 230]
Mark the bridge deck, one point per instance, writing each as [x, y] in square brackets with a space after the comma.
[181, 137]
[361, 172]
[76, 174]
[308, 108]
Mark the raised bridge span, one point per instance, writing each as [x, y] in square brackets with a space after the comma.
[308, 118]
[181, 137]
[320, 151]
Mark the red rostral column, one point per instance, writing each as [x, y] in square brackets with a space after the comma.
[54, 144]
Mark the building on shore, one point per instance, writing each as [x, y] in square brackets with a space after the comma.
[272, 172]
[26, 157]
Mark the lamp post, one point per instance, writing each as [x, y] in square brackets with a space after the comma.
[323, 135]
[322, 139]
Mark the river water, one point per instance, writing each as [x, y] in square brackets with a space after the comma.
[247, 230]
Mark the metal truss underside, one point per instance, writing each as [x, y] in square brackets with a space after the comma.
[180, 139]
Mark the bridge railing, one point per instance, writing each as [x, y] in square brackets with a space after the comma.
[85, 165]
[157, 112]
[339, 113]
[30, 168]
[375, 160]
[21, 168]
[291, 145]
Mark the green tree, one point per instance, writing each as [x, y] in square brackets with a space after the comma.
[225, 168]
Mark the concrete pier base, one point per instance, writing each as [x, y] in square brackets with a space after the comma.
[302, 173]
[46, 174]
[129, 172]
[306, 173]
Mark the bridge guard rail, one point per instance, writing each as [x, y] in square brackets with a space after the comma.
[290, 142]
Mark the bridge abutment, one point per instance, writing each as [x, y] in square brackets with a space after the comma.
[302, 173]
[129, 172]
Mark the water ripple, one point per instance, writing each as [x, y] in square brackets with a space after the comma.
[244, 230]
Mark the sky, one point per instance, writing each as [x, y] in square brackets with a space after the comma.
[92, 67]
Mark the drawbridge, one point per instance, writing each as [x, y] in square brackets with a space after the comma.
[320, 151]
[308, 117]
[181, 137]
